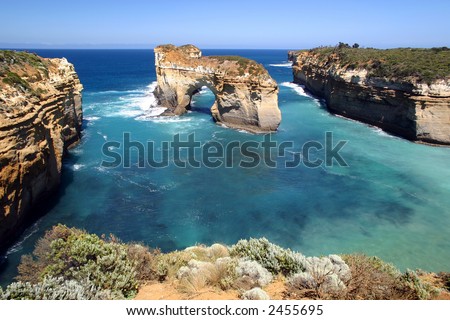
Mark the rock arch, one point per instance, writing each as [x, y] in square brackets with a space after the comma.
[246, 97]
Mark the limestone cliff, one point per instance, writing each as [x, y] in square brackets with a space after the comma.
[414, 104]
[246, 95]
[40, 117]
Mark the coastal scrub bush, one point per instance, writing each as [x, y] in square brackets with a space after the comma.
[31, 267]
[374, 279]
[255, 294]
[144, 261]
[199, 274]
[445, 276]
[323, 278]
[73, 254]
[333, 264]
[223, 273]
[424, 65]
[272, 257]
[168, 264]
[243, 64]
[420, 289]
[251, 271]
[212, 253]
[57, 289]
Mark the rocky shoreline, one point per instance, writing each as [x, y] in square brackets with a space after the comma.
[407, 106]
[40, 118]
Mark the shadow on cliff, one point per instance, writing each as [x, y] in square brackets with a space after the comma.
[40, 209]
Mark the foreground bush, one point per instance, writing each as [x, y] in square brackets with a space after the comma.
[198, 274]
[57, 289]
[270, 256]
[72, 254]
[253, 273]
[323, 278]
[68, 263]
[374, 279]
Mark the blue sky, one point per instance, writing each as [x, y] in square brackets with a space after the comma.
[223, 24]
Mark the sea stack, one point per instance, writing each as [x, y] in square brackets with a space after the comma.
[40, 118]
[403, 91]
[246, 97]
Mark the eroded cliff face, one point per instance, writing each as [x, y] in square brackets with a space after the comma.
[246, 95]
[415, 110]
[40, 117]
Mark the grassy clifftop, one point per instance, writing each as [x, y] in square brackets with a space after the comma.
[423, 65]
[68, 263]
[20, 70]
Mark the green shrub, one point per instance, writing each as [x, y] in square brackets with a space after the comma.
[75, 255]
[86, 256]
[14, 80]
[22, 57]
[243, 64]
[424, 65]
[272, 257]
[168, 264]
[31, 267]
[421, 289]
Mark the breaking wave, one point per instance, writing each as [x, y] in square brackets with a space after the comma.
[282, 65]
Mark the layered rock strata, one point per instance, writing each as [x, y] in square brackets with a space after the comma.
[246, 97]
[40, 117]
[407, 106]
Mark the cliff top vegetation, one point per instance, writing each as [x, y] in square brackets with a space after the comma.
[423, 65]
[230, 64]
[69, 263]
[19, 68]
[243, 64]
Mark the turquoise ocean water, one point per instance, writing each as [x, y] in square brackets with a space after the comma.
[392, 200]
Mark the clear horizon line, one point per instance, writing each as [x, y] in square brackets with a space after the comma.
[37, 46]
[52, 48]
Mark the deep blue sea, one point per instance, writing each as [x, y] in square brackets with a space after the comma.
[392, 200]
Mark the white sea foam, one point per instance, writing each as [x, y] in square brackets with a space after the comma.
[126, 179]
[148, 104]
[215, 137]
[298, 88]
[77, 166]
[92, 118]
[107, 92]
[130, 103]
[381, 132]
[169, 119]
[104, 136]
[151, 113]
[283, 65]
[205, 91]
[19, 245]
